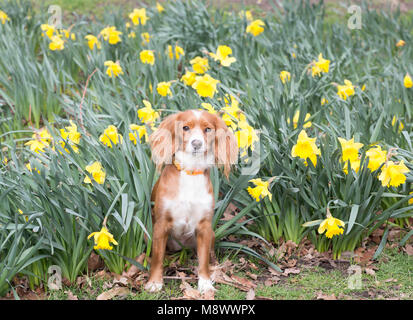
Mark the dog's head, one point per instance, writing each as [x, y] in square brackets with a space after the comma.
[196, 137]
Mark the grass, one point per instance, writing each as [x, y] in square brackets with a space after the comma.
[304, 286]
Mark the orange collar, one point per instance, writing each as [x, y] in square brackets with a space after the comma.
[189, 172]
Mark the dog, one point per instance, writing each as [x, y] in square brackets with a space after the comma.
[184, 148]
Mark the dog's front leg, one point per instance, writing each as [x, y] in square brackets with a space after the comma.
[204, 238]
[161, 230]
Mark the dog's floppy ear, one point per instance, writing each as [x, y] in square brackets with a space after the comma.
[226, 146]
[162, 142]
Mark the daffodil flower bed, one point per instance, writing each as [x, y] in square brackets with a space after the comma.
[329, 125]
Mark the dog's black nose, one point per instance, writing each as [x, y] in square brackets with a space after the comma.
[196, 144]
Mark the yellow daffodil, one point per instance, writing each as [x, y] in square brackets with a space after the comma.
[333, 226]
[25, 217]
[232, 112]
[285, 76]
[261, 190]
[147, 56]
[92, 41]
[48, 30]
[68, 34]
[305, 148]
[256, 27]
[147, 114]
[222, 55]
[355, 165]
[36, 145]
[103, 239]
[57, 43]
[199, 64]
[189, 78]
[132, 34]
[401, 125]
[159, 7]
[114, 69]
[111, 35]
[307, 124]
[29, 167]
[407, 81]
[363, 87]
[205, 85]
[400, 43]
[110, 135]
[350, 149]
[178, 52]
[40, 140]
[3, 17]
[208, 107]
[393, 175]
[138, 16]
[376, 157]
[346, 90]
[411, 199]
[245, 136]
[96, 171]
[164, 88]
[5, 160]
[322, 65]
[247, 14]
[71, 135]
[146, 38]
[137, 131]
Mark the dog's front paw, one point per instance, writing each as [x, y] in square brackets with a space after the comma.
[205, 285]
[153, 286]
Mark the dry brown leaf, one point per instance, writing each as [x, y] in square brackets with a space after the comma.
[322, 296]
[252, 275]
[114, 292]
[134, 270]
[409, 249]
[71, 296]
[291, 270]
[94, 262]
[274, 272]
[250, 295]
[291, 263]
[209, 295]
[290, 247]
[189, 292]
[271, 281]
[394, 234]
[244, 282]
[230, 212]
[282, 249]
[263, 298]
[102, 275]
[253, 266]
[370, 271]
[121, 280]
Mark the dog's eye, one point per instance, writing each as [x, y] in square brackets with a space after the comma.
[186, 128]
[207, 129]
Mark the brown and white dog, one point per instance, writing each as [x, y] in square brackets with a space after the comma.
[184, 147]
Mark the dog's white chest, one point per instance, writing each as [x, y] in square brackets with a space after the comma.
[190, 205]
